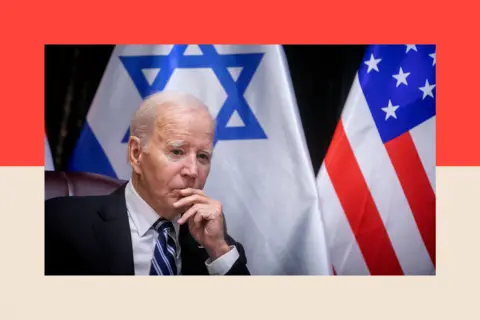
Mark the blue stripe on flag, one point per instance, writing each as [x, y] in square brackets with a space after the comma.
[88, 155]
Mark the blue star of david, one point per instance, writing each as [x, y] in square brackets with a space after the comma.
[218, 63]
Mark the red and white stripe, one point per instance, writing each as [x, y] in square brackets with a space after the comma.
[378, 201]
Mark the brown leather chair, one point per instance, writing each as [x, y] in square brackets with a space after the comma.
[59, 183]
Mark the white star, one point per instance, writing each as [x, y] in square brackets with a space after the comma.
[411, 47]
[427, 89]
[372, 63]
[401, 77]
[434, 57]
[390, 110]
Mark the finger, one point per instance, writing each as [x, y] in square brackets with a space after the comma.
[197, 220]
[190, 191]
[210, 216]
[190, 200]
[190, 212]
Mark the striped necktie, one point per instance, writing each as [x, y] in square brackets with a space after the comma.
[163, 261]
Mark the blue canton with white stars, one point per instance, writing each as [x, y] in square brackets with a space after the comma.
[399, 84]
[219, 63]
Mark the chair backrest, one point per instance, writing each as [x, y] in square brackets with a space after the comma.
[59, 183]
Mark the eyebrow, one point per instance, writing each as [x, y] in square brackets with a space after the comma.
[176, 143]
[181, 143]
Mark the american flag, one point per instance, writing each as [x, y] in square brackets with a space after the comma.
[377, 182]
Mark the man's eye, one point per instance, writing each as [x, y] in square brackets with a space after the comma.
[177, 152]
[204, 157]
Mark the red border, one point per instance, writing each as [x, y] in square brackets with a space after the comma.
[27, 25]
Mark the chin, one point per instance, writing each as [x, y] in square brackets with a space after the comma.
[168, 212]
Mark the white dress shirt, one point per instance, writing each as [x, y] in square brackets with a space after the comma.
[141, 218]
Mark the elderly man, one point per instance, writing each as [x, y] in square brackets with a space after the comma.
[160, 222]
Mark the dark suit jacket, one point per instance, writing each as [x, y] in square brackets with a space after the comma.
[91, 236]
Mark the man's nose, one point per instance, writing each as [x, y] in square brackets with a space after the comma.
[190, 167]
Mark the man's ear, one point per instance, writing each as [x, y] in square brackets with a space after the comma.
[135, 153]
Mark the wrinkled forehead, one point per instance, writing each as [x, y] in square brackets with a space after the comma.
[176, 124]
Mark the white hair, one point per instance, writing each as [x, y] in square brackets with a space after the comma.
[143, 121]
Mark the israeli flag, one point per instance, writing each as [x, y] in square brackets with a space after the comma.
[261, 169]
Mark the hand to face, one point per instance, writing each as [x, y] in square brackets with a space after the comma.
[205, 221]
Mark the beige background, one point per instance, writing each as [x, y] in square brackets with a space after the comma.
[25, 293]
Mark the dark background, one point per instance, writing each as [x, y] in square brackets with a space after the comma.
[321, 76]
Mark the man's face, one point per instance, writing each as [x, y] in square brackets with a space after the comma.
[177, 156]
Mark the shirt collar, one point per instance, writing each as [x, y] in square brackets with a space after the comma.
[143, 216]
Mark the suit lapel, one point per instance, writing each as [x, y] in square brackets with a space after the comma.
[193, 255]
[113, 234]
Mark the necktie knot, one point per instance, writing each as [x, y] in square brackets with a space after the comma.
[162, 224]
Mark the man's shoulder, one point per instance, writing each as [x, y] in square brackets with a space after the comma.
[74, 201]
[71, 205]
